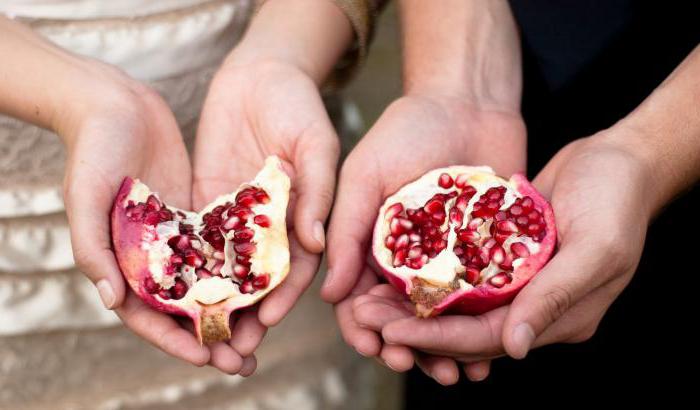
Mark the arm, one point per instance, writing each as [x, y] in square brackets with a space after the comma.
[462, 86]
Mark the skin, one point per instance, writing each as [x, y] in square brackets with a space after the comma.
[264, 100]
[634, 168]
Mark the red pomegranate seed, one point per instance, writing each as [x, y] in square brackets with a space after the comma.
[231, 223]
[440, 245]
[533, 216]
[527, 203]
[390, 242]
[399, 258]
[475, 223]
[494, 195]
[219, 255]
[507, 226]
[393, 210]
[193, 258]
[433, 206]
[395, 226]
[246, 200]
[516, 210]
[178, 290]
[490, 243]
[153, 204]
[466, 235]
[402, 242]
[247, 287]
[245, 248]
[439, 216]
[203, 273]
[507, 263]
[152, 218]
[262, 220]
[456, 216]
[243, 260]
[150, 285]
[216, 269]
[165, 215]
[500, 216]
[243, 235]
[176, 260]
[500, 279]
[501, 237]
[472, 275]
[261, 281]
[240, 271]
[415, 252]
[241, 212]
[522, 221]
[534, 229]
[497, 254]
[461, 180]
[445, 181]
[218, 210]
[519, 249]
[414, 237]
[164, 294]
[262, 197]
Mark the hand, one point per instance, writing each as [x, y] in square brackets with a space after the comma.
[415, 134]
[599, 249]
[115, 127]
[254, 110]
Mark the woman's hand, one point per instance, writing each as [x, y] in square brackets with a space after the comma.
[415, 134]
[602, 200]
[252, 111]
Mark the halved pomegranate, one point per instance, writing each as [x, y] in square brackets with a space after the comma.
[462, 239]
[204, 265]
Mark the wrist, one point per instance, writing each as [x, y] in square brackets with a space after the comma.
[281, 32]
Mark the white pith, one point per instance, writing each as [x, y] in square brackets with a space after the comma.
[443, 268]
[272, 247]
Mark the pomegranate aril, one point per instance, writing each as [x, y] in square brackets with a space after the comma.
[262, 197]
[135, 213]
[501, 237]
[456, 216]
[522, 221]
[533, 216]
[402, 242]
[472, 275]
[247, 287]
[218, 210]
[243, 260]
[165, 215]
[462, 202]
[516, 210]
[390, 242]
[193, 258]
[414, 237]
[247, 200]
[461, 180]
[507, 263]
[466, 235]
[231, 223]
[152, 218]
[415, 252]
[153, 204]
[243, 235]
[261, 281]
[179, 242]
[178, 290]
[176, 260]
[245, 248]
[534, 229]
[203, 273]
[240, 271]
[475, 223]
[490, 243]
[433, 206]
[165, 294]
[216, 269]
[507, 226]
[500, 279]
[262, 220]
[219, 255]
[440, 245]
[497, 254]
[527, 203]
[393, 210]
[399, 257]
[150, 285]
[519, 249]
[445, 181]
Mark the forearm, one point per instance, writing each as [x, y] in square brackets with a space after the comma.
[467, 49]
[664, 131]
[44, 85]
[309, 34]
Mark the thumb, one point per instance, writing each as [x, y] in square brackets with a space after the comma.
[315, 163]
[88, 206]
[570, 275]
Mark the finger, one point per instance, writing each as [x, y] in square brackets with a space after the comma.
[478, 371]
[250, 363]
[366, 342]
[316, 161]
[280, 301]
[162, 331]
[441, 369]
[460, 335]
[247, 333]
[224, 358]
[374, 312]
[387, 291]
[397, 358]
[571, 274]
[91, 237]
[348, 234]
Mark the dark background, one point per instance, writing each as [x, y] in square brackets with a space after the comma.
[586, 65]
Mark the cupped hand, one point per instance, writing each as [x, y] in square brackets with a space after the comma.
[254, 110]
[116, 127]
[414, 135]
[600, 192]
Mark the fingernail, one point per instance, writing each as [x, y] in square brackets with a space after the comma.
[319, 233]
[104, 288]
[523, 337]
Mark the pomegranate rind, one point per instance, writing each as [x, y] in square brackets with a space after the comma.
[472, 300]
[210, 317]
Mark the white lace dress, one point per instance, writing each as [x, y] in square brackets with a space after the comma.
[59, 348]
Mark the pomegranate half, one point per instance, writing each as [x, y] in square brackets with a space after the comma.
[204, 265]
[462, 239]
